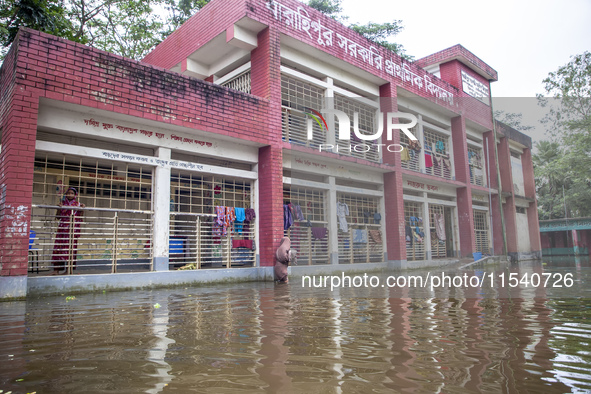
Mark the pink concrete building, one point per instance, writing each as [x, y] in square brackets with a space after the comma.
[230, 135]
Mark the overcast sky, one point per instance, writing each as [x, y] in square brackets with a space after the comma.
[523, 40]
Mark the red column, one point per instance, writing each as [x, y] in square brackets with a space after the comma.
[491, 167]
[464, 194]
[266, 82]
[18, 122]
[395, 239]
[530, 192]
[509, 211]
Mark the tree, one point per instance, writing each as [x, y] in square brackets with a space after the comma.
[512, 119]
[380, 33]
[131, 28]
[548, 172]
[48, 16]
[569, 89]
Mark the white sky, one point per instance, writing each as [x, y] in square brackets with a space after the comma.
[523, 40]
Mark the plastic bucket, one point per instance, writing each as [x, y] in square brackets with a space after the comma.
[477, 256]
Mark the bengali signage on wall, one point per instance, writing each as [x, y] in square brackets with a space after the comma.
[475, 88]
[377, 57]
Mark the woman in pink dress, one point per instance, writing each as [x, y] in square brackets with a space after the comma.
[67, 232]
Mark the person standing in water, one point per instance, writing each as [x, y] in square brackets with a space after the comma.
[68, 232]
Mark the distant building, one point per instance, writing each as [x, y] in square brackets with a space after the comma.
[198, 156]
[566, 237]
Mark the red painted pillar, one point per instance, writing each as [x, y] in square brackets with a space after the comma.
[509, 210]
[464, 194]
[266, 83]
[530, 192]
[394, 215]
[491, 167]
[18, 122]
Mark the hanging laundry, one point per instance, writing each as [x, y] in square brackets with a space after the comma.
[366, 215]
[376, 236]
[377, 217]
[299, 214]
[242, 243]
[229, 218]
[240, 217]
[319, 233]
[249, 216]
[287, 217]
[440, 147]
[342, 211]
[428, 160]
[440, 226]
[359, 236]
[437, 161]
[408, 234]
[404, 155]
[218, 222]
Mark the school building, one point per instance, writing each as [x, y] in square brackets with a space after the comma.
[253, 120]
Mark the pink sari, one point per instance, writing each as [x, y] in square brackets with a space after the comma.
[61, 250]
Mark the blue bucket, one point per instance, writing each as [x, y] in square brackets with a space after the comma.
[477, 256]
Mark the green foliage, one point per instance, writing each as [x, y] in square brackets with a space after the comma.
[380, 33]
[566, 162]
[48, 16]
[132, 28]
[512, 119]
[330, 8]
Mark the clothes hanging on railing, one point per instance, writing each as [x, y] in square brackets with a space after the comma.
[287, 217]
[240, 216]
[298, 212]
[376, 236]
[319, 233]
[359, 236]
[342, 211]
[440, 226]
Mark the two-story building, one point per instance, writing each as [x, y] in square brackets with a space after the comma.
[195, 162]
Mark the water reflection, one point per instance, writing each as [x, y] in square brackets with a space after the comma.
[265, 337]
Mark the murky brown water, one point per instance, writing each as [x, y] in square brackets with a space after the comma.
[260, 337]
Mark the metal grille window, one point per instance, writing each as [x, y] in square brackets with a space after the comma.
[367, 126]
[309, 233]
[296, 96]
[476, 167]
[409, 157]
[196, 241]
[240, 82]
[438, 246]
[100, 184]
[415, 243]
[114, 232]
[196, 193]
[437, 157]
[481, 231]
[362, 242]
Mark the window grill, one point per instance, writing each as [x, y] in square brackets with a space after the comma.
[410, 158]
[437, 158]
[195, 241]
[310, 235]
[240, 82]
[367, 126]
[362, 242]
[100, 184]
[438, 246]
[296, 97]
[415, 244]
[481, 231]
[475, 164]
[197, 193]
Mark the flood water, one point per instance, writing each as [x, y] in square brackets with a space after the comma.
[262, 337]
